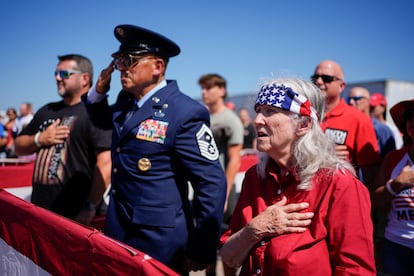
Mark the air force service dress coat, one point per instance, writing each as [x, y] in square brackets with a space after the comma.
[166, 143]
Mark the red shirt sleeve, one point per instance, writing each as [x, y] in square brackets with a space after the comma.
[366, 145]
[349, 227]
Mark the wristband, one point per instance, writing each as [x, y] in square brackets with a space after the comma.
[36, 140]
[389, 188]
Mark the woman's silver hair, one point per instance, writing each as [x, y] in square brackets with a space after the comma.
[314, 150]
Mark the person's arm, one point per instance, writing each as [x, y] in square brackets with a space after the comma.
[100, 137]
[233, 165]
[103, 83]
[234, 152]
[99, 92]
[102, 176]
[199, 164]
[3, 141]
[53, 134]
[404, 180]
[369, 173]
[367, 156]
[277, 219]
[349, 228]
[3, 136]
[100, 181]
[342, 152]
[385, 193]
[381, 198]
[96, 100]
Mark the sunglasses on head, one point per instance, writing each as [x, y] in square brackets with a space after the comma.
[325, 78]
[355, 98]
[65, 74]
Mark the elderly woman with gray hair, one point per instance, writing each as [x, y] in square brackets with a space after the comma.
[301, 210]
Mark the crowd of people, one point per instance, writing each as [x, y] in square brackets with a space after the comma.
[332, 193]
[11, 124]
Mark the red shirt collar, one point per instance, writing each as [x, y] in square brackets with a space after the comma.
[289, 176]
[338, 110]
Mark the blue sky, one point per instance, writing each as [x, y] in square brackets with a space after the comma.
[245, 41]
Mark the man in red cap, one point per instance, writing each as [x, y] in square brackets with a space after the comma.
[359, 98]
[378, 106]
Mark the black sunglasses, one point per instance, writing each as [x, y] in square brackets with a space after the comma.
[355, 98]
[127, 61]
[325, 78]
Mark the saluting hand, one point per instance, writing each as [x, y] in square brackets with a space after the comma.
[104, 79]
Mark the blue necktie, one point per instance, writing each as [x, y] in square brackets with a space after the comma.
[129, 112]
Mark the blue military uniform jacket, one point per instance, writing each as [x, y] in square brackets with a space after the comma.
[163, 146]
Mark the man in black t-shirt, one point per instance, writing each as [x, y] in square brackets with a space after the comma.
[72, 167]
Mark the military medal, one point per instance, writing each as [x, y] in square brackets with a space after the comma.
[144, 164]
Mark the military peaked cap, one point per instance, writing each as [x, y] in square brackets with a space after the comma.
[137, 40]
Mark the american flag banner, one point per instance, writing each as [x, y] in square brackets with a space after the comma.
[281, 96]
[35, 241]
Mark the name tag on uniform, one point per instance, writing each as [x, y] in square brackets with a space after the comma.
[153, 131]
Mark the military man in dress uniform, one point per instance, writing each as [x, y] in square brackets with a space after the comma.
[161, 142]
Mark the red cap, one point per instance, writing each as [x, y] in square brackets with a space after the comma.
[377, 99]
[230, 105]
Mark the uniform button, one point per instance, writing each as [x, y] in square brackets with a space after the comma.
[113, 192]
[115, 170]
[258, 271]
[118, 149]
[279, 191]
[262, 243]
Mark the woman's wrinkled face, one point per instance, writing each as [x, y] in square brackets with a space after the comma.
[276, 130]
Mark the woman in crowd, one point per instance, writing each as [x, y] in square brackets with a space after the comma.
[301, 210]
[394, 196]
[12, 114]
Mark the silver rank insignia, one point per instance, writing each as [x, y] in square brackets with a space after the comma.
[207, 144]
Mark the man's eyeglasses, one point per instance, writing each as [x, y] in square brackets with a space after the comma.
[65, 74]
[355, 98]
[127, 61]
[325, 78]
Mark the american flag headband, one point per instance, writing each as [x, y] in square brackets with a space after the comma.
[281, 96]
